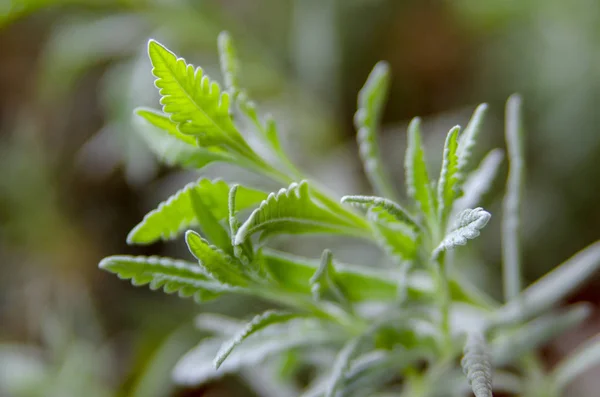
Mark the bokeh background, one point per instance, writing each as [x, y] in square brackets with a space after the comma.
[75, 176]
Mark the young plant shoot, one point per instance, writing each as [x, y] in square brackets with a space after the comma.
[364, 330]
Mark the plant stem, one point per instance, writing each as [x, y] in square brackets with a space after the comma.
[444, 301]
[511, 248]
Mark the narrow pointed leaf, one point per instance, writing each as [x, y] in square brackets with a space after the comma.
[324, 280]
[215, 262]
[449, 184]
[417, 178]
[292, 211]
[344, 373]
[534, 334]
[511, 224]
[177, 213]
[583, 359]
[259, 322]
[469, 138]
[171, 146]
[368, 372]
[162, 121]
[480, 181]
[477, 366]
[552, 288]
[229, 62]
[272, 135]
[193, 101]
[467, 227]
[268, 129]
[383, 204]
[196, 366]
[342, 365]
[245, 251]
[371, 102]
[172, 275]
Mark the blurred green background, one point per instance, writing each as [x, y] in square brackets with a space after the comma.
[75, 176]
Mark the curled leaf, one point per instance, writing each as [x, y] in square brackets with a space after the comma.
[467, 227]
[477, 365]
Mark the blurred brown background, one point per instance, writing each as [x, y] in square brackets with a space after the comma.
[75, 177]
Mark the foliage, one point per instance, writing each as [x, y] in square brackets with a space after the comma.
[402, 325]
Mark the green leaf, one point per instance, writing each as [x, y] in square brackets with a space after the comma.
[469, 138]
[172, 275]
[171, 146]
[393, 226]
[293, 273]
[229, 62]
[245, 251]
[398, 239]
[230, 70]
[584, 358]
[369, 372]
[346, 376]
[268, 130]
[196, 366]
[293, 211]
[324, 280]
[449, 184]
[477, 365]
[417, 178]
[272, 136]
[341, 366]
[193, 101]
[383, 204]
[371, 102]
[210, 226]
[480, 181]
[177, 213]
[467, 227]
[162, 121]
[534, 334]
[215, 262]
[511, 237]
[552, 288]
[259, 322]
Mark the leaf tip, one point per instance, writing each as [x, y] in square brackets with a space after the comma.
[106, 263]
[240, 236]
[515, 99]
[381, 68]
[224, 38]
[191, 239]
[132, 236]
[414, 125]
[154, 45]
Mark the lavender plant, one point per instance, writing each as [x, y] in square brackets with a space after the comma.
[361, 329]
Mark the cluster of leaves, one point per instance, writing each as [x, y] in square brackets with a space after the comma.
[395, 328]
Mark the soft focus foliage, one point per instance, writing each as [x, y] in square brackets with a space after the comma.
[79, 171]
[428, 328]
